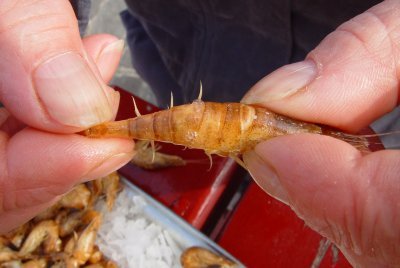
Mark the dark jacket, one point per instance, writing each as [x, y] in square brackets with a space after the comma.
[227, 45]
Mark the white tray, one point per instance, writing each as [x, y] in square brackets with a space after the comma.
[185, 234]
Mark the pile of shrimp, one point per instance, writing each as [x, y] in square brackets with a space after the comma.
[64, 235]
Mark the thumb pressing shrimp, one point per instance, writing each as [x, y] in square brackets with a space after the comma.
[226, 129]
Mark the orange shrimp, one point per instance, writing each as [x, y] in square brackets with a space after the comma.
[226, 129]
[201, 257]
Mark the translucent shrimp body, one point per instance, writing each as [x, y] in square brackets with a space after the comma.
[227, 129]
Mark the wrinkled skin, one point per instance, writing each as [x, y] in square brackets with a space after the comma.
[52, 84]
[350, 79]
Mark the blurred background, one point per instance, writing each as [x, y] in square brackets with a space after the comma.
[104, 18]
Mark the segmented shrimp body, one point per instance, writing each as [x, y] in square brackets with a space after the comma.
[226, 129]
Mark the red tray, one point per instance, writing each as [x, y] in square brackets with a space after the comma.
[263, 232]
[191, 191]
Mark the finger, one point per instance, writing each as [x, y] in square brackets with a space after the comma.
[353, 69]
[106, 51]
[350, 198]
[12, 219]
[47, 79]
[41, 166]
[8, 124]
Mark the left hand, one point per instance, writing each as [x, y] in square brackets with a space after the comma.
[52, 84]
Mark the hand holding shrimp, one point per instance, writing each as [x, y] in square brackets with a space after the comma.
[348, 197]
[226, 129]
[50, 88]
[348, 81]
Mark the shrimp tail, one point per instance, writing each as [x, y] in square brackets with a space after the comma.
[115, 129]
[360, 142]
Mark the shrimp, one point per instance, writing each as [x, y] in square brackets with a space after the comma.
[11, 264]
[37, 263]
[226, 129]
[196, 257]
[16, 237]
[96, 255]
[7, 254]
[69, 222]
[109, 186]
[85, 244]
[44, 232]
[77, 198]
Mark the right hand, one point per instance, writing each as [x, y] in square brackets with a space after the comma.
[347, 81]
[52, 85]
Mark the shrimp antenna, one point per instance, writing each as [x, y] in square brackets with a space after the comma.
[201, 91]
[211, 160]
[153, 148]
[136, 108]
[239, 161]
[172, 100]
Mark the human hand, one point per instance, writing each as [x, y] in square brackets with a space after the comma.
[349, 80]
[51, 88]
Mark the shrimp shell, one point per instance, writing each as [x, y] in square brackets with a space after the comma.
[226, 129]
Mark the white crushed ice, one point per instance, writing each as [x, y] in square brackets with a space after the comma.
[132, 240]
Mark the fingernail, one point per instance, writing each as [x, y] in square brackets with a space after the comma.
[282, 83]
[70, 92]
[265, 176]
[109, 165]
[107, 54]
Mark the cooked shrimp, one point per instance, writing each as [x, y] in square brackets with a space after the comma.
[110, 188]
[70, 245]
[7, 254]
[96, 256]
[71, 263]
[48, 214]
[37, 263]
[85, 244]
[11, 264]
[45, 232]
[68, 223]
[96, 189]
[17, 236]
[226, 129]
[78, 198]
[197, 257]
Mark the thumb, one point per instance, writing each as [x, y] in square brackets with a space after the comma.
[350, 198]
[349, 80]
[47, 80]
[353, 69]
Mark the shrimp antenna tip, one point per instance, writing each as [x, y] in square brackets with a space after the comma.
[211, 160]
[201, 91]
[153, 148]
[136, 108]
[239, 161]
